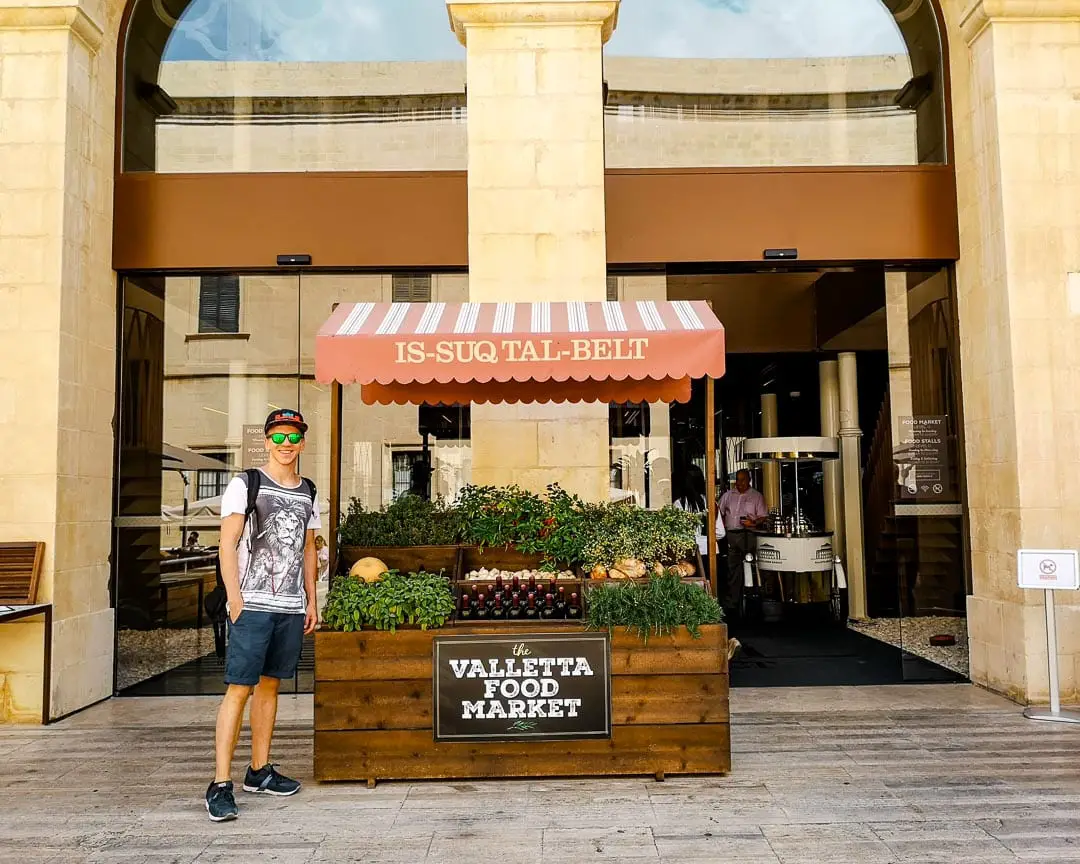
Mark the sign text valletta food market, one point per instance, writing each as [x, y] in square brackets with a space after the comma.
[493, 352]
[541, 686]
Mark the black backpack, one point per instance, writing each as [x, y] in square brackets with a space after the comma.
[216, 600]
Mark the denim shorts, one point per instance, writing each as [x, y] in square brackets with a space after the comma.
[263, 643]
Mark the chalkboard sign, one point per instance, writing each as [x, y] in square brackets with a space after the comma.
[534, 686]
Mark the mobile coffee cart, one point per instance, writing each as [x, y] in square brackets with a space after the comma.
[416, 704]
[792, 556]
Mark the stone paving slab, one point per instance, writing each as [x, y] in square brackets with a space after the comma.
[944, 774]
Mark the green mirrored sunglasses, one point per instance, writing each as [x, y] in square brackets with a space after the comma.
[293, 437]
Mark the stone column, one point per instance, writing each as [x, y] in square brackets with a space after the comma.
[536, 210]
[897, 326]
[57, 339]
[851, 465]
[828, 377]
[770, 471]
[1018, 136]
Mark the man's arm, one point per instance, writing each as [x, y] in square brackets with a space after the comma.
[311, 572]
[231, 528]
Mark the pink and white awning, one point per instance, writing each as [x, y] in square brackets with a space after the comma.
[521, 352]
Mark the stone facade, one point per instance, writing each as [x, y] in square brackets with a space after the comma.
[1014, 66]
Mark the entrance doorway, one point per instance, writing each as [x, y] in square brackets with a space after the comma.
[893, 608]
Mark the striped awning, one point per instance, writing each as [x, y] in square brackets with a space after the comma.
[454, 353]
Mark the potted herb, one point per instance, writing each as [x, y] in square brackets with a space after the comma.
[409, 534]
[423, 600]
[658, 607]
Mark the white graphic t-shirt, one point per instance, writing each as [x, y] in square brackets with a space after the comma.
[271, 563]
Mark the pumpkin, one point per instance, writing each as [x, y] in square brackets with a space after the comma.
[599, 572]
[368, 569]
[687, 569]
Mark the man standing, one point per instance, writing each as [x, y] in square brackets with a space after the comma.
[741, 509]
[268, 566]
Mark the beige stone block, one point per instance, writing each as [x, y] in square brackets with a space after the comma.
[20, 698]
[26, 499]
[578, 440]
[570, 73]
[502, 443]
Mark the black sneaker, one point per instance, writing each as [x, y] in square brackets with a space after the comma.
[220, 803]
[268, 781]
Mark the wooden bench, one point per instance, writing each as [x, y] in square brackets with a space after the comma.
[20, 571]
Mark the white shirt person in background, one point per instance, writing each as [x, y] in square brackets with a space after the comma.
[741, 510]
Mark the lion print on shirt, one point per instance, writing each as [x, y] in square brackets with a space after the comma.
[278, 548]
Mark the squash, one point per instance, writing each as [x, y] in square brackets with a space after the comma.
[599, 572]
[368, 569]
[687, 569]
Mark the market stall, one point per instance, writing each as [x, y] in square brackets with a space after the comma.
[794, 562]
[518, 655]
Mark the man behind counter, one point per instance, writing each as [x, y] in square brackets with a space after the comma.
[741, 509]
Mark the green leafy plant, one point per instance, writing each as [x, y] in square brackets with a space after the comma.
[653, 608]
[422, 599]
[408, 521]
[507, 516]
[616, 531]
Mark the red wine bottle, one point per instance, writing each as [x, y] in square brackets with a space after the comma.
[466, 612]
[515, 586]
[531, 611]
[573, 611]
[498, 585]
[548, 612]
[498, 611]
[515, 610]
[560, 602]
[482, 611]
[552, 589]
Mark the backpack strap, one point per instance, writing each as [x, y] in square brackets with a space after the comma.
[253, 479]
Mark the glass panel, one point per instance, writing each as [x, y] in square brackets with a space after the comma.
[192, 408]
[293, 85]
[728, 83]
[923, 536]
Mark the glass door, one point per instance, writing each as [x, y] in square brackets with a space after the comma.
[203, 359]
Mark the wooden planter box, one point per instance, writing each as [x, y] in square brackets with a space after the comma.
[373, 712]
[408, 559]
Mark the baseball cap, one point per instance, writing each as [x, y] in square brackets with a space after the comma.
[285, 417]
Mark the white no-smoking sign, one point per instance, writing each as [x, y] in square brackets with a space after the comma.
[1048, 569]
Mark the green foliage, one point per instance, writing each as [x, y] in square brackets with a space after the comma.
[409, 521]
[653, 608]
[501, 516]
[619, 530]
[423, 599]
[558, 526]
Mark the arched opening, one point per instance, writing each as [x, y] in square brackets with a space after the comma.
[759, 83]
[291, 86]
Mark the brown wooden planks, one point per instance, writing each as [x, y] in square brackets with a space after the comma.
[635, 700]
[408, 559]
[401, 754]
[371, 655]
[20, 569]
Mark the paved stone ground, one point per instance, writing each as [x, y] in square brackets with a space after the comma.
[942, 773]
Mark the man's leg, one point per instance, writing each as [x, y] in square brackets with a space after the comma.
[736, 553]
[230, 716]
[263, 718]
